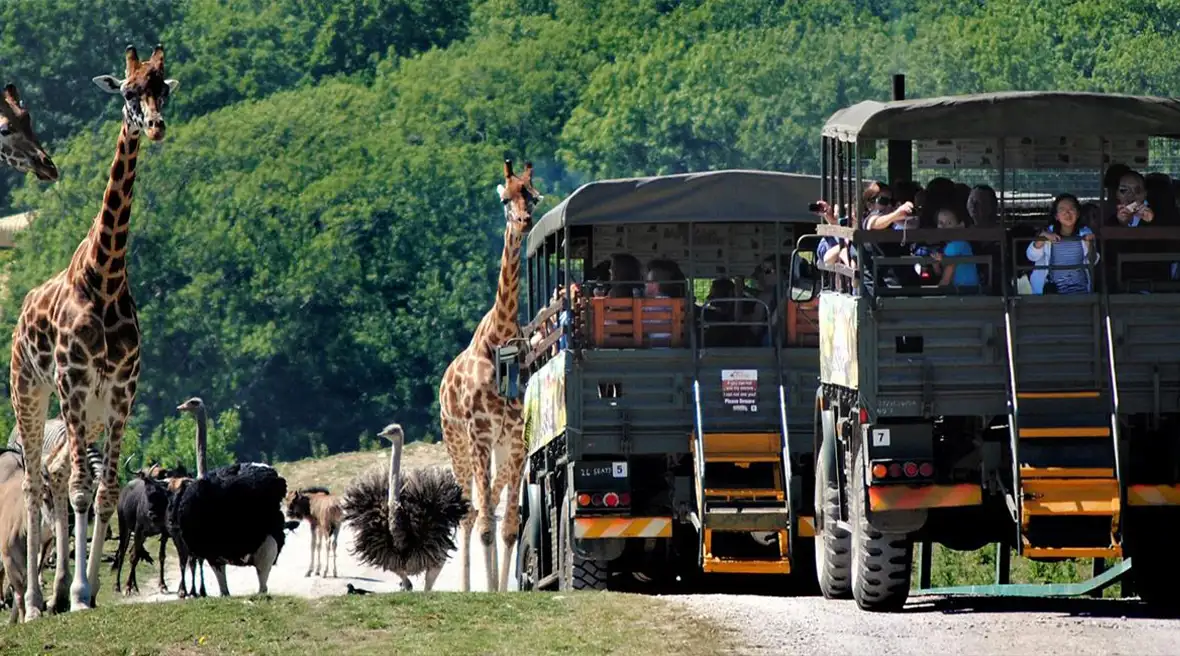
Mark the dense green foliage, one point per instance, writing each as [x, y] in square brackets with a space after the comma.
[319, 233]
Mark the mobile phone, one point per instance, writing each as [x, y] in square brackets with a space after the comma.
[815, 207]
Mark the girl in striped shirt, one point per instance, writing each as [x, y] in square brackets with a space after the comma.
[1051, 249]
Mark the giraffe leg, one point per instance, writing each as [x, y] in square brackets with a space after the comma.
[486, 521]
[107, 498]
[509, 473]
[30, 403]
[459, 449]
[105, 501]
[80, 497]
[59, 488]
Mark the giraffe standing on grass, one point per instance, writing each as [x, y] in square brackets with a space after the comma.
[475, 420]
[78, 335]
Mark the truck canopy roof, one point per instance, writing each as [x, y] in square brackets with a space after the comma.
[729, 196]
[1008, 114]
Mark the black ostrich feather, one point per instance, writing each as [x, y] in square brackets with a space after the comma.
[225, 517]
[430, 507]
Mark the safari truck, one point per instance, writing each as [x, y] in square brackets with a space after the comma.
[1002, 413]
[667, 400]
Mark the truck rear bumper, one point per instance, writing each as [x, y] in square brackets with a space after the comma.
[917, 497]
[591, 528]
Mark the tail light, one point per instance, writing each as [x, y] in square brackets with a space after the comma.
[604, 499]
[902, 470]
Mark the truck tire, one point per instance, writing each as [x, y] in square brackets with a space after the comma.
[578, 573]
[1154, 575]
[833, 544]
[881, 562]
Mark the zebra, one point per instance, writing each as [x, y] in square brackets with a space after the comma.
[54, 443]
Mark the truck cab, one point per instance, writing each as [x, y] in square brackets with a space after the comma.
[668, 382]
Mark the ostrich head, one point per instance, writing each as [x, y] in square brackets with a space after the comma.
[196, 407]
[397, 437]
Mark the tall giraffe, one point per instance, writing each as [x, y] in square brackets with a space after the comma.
[475, 420]
[19, 146]
[78, 333]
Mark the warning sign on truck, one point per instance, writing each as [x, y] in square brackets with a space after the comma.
[739, 389]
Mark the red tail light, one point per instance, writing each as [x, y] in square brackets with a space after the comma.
[596, 499]
[583, 499]
[895, 470]
[611, 499]
[879, 471]
[864, 416]
[926, 469]
[911, 469]
[625, 499]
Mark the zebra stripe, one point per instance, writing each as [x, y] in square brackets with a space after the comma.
[53, 441]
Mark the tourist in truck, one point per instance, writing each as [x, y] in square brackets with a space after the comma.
[1064, 243]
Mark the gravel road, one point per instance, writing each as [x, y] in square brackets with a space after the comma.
[785, 625]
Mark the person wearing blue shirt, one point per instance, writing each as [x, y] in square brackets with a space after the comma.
[961, 274]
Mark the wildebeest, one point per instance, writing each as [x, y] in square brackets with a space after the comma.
[323, 512]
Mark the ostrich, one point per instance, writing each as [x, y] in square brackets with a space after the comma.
[404, 522]
[231, 515]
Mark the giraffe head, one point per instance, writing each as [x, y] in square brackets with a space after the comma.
[19, 146]
[145, 90]
[518, 197]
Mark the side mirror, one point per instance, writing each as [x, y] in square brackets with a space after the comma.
[801, 279]
[508, 370]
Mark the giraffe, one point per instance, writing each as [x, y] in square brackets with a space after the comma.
[78, 334]
[19, 146]
[475, 420]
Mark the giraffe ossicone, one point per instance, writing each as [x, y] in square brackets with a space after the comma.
[476, 420]
[78, 336]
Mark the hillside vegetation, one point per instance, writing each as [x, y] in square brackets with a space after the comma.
[319, 233]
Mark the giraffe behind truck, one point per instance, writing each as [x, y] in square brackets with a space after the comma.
[666, 437]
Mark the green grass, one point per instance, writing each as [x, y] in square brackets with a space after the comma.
[413, 623]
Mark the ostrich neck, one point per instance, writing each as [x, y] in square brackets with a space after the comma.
[201, 439]
[395, 473]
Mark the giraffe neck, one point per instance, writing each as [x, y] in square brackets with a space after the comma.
[502, 322]
[102, 257]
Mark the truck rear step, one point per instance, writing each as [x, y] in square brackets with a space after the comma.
[1069, 491]
[745, 518]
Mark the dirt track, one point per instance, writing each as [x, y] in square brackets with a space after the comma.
[811, 625]
[801, 625]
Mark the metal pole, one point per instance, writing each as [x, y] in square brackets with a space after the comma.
[1003, 564]
[925, 564]
[901, 159]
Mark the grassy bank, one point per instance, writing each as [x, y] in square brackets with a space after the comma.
[415, 623]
